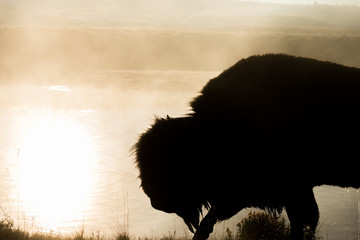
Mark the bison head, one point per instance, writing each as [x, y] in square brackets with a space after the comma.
[169, 173]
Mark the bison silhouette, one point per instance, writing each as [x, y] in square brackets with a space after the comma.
[262, 134]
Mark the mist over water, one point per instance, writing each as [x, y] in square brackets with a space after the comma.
[66, 159]
[79, 83]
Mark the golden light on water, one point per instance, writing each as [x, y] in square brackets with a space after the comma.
[55, 170]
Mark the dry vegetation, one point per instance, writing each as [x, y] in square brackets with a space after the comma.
[257, 225]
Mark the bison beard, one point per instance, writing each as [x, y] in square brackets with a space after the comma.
[268, 129]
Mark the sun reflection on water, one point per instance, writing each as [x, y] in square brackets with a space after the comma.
[55, 170]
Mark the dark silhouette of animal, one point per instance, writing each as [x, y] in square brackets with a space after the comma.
[261, 134]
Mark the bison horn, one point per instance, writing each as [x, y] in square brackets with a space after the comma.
[206, 226]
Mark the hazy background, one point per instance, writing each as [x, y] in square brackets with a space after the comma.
[47, 38]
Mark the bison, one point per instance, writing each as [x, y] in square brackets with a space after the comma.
[262, 134]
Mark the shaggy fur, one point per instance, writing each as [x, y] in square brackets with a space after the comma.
[262, 134]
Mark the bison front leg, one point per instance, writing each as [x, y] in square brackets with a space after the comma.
[206, 226]
[303, 214]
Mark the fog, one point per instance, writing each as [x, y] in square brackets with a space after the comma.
[69, 37]
[42, 52]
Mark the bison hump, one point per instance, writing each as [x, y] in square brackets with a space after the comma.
[272, 85]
